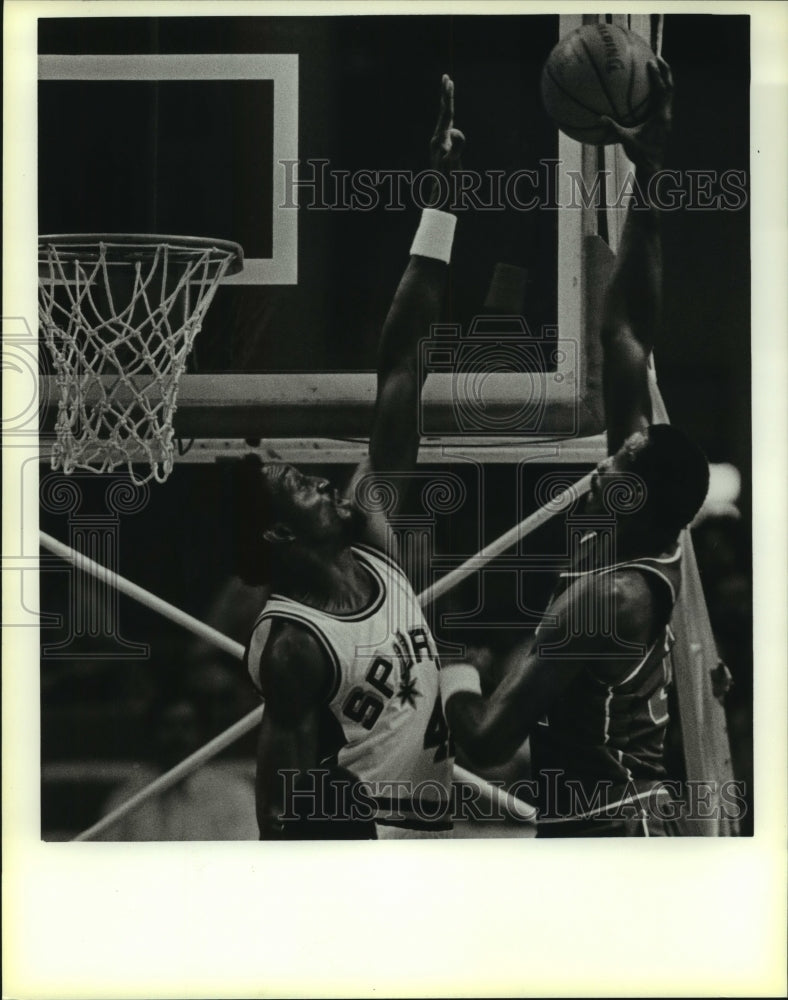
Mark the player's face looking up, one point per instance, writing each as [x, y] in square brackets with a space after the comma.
[309, 506]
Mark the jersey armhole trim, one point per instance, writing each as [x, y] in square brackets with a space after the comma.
[247, 669]
[370, 550]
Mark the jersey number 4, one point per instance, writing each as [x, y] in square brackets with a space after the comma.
[437, 734]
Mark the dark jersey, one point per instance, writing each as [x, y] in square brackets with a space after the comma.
[601, 743]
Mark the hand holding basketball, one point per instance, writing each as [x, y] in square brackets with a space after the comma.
[597, 74]
[645, 144]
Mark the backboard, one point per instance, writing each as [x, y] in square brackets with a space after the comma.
[244, 129]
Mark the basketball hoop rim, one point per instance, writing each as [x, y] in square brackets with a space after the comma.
[127, 248]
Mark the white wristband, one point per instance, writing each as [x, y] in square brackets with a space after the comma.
[435, 235]
[459, 677]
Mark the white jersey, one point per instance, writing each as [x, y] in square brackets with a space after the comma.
[385, 693]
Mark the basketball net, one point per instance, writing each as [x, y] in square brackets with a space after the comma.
[119, 319]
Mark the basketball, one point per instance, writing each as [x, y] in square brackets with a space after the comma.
[598, 69]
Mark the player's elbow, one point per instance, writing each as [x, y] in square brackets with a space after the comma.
[399, 385]
[478, 739]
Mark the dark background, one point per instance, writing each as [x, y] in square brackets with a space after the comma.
[140, 157]
[367, 99]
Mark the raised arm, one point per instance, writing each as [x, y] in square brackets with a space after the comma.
[394, 436]
[632, 309]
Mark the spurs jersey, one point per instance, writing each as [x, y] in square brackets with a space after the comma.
[384, 718]
[602, 742]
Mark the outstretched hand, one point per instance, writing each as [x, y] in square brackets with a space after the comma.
[645, 144]
[447, 142]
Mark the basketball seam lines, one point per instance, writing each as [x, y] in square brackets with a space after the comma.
[636, 110]
[631, 84]
[599, 77]
[571, 96]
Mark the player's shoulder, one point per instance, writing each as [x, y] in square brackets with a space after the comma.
[635, 604]
[625, 582]
[630, 584]
[623, 594]
[291, 642]
[293, 664]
